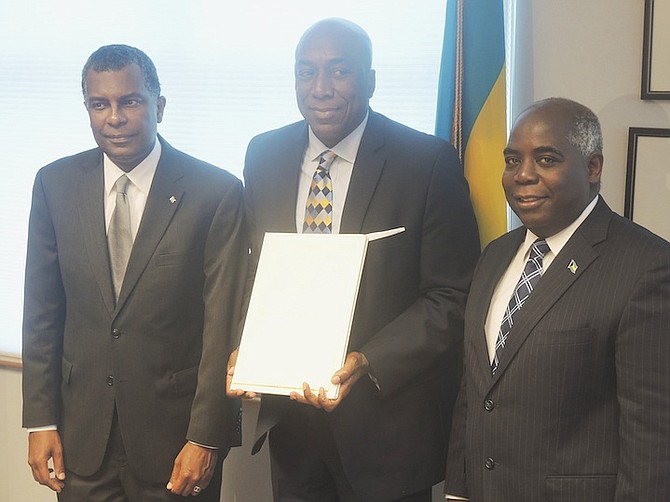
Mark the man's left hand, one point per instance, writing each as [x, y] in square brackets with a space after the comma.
[193, 470]
[355, 366]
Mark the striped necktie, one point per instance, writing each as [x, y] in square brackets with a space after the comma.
[529, 277]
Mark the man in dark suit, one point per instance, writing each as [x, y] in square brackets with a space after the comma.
[572, 402]
[384, 438]
[124, 368]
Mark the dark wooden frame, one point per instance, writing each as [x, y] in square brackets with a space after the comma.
[633, 170]
[648, 53]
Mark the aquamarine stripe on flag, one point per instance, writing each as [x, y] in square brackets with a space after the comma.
[471, 106]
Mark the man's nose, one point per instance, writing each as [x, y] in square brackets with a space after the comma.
[116, 116]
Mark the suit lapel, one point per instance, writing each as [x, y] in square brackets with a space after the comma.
[557, 280]
[92, 217]
[163, 201]
[365, 176]
[286, 179]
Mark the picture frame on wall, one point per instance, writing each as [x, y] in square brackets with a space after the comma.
[656, 50]
[647, 195]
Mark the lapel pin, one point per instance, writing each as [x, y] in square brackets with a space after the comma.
[173, 199]
[572, 266]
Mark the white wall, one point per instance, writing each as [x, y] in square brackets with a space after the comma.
[16, 481]
[589, 51]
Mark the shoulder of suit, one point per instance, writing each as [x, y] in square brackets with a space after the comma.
[280, 135]
[402, 132]
[92, 157]
[624, 230]
[512, 238]
[193, 166]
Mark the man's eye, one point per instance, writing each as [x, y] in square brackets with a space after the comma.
[97, 105]
[511, 161]
[546, 161]
[305, 74]
[132, 102]
[340, 72]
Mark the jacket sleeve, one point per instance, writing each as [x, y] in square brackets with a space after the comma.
[642, 351]
[433, 324]
[214, 417]
[43, 317]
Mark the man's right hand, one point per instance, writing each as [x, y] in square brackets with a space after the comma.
[42, 446]
[232, 360]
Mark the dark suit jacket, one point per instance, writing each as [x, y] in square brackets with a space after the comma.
[579, 409]
[159, 355]
[409, 314]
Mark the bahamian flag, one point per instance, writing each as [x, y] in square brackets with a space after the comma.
[471, 104]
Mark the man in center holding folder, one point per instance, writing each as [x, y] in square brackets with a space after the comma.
[347, 169]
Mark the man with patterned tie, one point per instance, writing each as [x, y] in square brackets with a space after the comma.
[566, 391]
[134, 273]
[384, 438]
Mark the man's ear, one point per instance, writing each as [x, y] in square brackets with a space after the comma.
[595, 166]
[372, 82]
[160, 108]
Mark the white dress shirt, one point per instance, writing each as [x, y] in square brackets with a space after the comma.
[340, 172]
[141, 177]
[505, 288]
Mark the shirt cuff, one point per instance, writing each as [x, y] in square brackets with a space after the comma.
[374, 381]
[204, 445]
[42, 428]
[454, 497]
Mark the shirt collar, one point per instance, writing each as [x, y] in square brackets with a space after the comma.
[141, 176]
[346, 149]
[558, 240]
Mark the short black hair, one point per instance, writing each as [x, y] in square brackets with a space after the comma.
[117, 56]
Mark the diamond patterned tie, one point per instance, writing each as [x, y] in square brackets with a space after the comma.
[319, 208]
[119, 236]
[529, 277]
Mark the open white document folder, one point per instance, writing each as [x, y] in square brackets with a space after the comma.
[300, 312]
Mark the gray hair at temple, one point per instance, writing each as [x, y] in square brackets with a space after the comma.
[585, 133]
[118, 56]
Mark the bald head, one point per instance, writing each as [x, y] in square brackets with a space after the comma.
[336, 28]
[334, 80]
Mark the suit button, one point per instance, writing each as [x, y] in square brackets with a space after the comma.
[116, 333]
[110, 380]
[489, 405]
[489, 464]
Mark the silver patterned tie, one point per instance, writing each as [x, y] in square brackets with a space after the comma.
[120, 237]
[319, 208]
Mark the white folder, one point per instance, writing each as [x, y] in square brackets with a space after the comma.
[300, 312]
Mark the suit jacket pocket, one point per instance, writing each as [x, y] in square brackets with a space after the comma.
[597, 488]
[185, 381]
[175, 259]
[576, 336]
[173, 275]
[66, 370]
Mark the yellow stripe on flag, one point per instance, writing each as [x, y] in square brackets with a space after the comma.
[484, 164]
